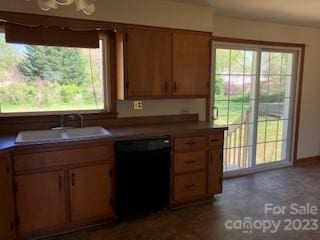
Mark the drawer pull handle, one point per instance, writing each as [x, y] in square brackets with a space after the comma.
[189, 185]
[190, 143]
[72, 179]
[215, 140]
[190, 161]
[60, 181]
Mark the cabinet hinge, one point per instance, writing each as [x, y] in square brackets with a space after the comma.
[208, 84]
[15, 187]
[17, 220]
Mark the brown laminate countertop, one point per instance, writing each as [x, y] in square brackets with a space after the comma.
[124, 133]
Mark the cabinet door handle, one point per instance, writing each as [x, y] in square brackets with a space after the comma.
[166, 86]
[72, 179]
[60, 181]
[175, 86]
[189, 185]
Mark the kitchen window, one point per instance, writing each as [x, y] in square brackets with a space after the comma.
[40, 79]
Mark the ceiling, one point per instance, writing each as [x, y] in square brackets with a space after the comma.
[296, 12]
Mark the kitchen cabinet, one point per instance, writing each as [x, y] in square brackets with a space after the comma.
[90, 192]
[71, 185]
[155, 63]
[215, 171]
[63, 188]
[191, 64]
[190, 186]
[148, 62]
[41, 201]
[197, 167]
[7, 218]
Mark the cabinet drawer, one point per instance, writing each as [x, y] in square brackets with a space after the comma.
[189, 186]
[59, 158]
[190, 143]
[216, 140]
[186, 162]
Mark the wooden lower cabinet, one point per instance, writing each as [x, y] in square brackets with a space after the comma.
[197, 167]
[69, 189]
[41, 201]
[215, 171]
[7, 226]
[90, 192]
[190, 186]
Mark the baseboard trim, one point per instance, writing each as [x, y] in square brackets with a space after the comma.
[307, 161]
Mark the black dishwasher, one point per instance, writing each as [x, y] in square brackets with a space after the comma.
[142, 176]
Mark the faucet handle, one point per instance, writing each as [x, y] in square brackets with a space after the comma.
[81, 119]
[61, 121]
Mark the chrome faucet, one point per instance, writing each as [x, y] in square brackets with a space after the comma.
[61, 121]
[81, 120]
[70, 117]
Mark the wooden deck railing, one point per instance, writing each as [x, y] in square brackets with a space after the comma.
[237, 135]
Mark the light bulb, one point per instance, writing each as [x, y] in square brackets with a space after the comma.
[89, 9]
[64, 2]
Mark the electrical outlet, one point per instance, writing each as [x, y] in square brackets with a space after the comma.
[137, 105]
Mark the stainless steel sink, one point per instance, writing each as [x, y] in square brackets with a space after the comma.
[43, 136]
[87, 132]
[40, 136]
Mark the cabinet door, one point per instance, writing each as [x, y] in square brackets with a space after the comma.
[215, 171]
[41, 201]
[191, 64]
[90, 192]
[6, 199]
[148, 63]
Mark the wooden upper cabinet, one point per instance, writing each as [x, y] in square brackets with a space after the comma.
[153, 63]
[191, 64]
[149, 63]
[7, 230]
[41, 201]
[90, 192]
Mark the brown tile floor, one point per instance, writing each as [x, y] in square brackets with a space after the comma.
[242, 197]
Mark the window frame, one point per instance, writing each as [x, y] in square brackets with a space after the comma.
[104, 36]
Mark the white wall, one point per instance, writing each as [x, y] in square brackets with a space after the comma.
[309, 134]
[144, 12]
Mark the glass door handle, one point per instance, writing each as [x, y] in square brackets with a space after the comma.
[215, 113]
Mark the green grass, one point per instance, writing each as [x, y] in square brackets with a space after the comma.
[269, 131]
[9, 108]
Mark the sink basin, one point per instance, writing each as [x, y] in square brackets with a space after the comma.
[43, 136]
[87, 132]
[40, 136]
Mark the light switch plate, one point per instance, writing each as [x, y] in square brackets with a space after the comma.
[137, 105]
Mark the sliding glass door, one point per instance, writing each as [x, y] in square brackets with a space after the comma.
[253, 97]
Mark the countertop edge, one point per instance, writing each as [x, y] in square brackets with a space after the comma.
[7, 142]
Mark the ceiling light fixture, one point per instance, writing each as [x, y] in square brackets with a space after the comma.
[85, 6]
